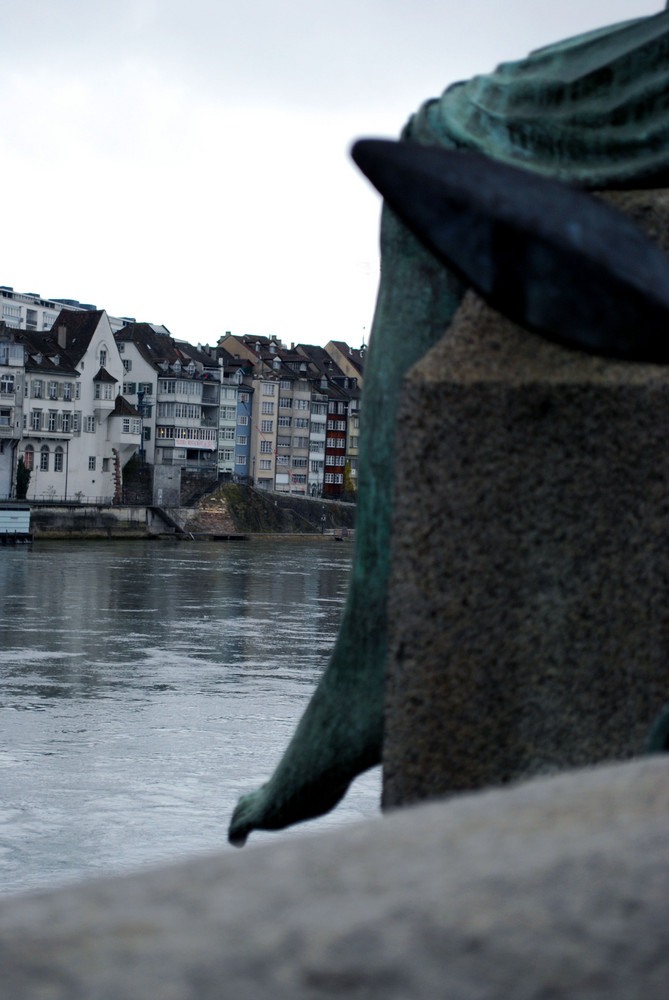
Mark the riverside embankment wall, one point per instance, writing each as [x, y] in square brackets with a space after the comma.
[230, 510]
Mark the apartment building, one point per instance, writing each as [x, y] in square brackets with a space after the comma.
[175, 386]
[32, 312]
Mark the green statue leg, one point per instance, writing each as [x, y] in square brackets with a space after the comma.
[340, 734]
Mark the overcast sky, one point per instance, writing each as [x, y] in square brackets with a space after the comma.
[187, 163]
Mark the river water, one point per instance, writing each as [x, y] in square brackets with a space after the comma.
[144, 686]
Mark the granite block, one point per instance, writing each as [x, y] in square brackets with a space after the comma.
[529, 595]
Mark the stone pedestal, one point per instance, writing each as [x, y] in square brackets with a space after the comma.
[529, 599]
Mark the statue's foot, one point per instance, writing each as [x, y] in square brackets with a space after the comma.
[246, 817]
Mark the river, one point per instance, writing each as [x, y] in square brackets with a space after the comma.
[144, 686]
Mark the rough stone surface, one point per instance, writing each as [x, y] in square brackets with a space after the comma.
[530, 584]
[556, 888]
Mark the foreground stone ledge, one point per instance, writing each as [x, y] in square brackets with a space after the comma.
[556, 888]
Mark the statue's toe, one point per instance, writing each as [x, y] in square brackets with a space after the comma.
[243, 819]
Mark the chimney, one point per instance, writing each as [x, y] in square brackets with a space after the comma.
[62, 337]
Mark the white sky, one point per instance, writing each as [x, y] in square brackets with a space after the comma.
[187, 163]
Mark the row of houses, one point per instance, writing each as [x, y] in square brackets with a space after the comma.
[81, 399]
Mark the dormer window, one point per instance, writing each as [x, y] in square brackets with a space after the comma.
[190, 368]
[176, 367]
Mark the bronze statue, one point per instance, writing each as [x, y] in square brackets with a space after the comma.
[592, 111]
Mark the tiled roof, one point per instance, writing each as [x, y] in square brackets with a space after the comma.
[42, 352]
[80, 327]
[104, 376]
[122, 408]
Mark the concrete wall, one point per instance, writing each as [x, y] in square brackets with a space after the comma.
[558, 888]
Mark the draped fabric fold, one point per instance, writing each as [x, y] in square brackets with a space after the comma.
[593, 109]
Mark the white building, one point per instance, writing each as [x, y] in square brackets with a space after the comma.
[30, 311]
[12, 375]
[78, 432]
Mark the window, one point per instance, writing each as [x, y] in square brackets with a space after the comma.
[105, 465]
[300, 442]
[355, 442]
[89, 425]
[77, 390]
[265, 446]
[226, 455]
[125, 428]
[228, 433]
[67, 423]
[299, 478]
[282, 460]
[267, 426]
[356, 423]
[147, 433]
[67, 391]
[244, 397]
[127, 364]
[285, 402]
[336, 443]
[230, 412]
[242, 440]
[109, 390]
[146, 387]
[283, 442]
[37, 388]
[76, 421]
[329, 460]
[53, 390]
[98, 390]
[285, 383]
[284, 421]
[301, 404]
[301, 421]
[316, 465]
[129, 388]
[44, 458]
[265, 464]
[53, 420]
[243, 421]
[241, 459]
[58, 460]
[299, 463]
[5, 416]
[267, 407]
[91, 463]
[269, 389]
[29, 457]
[329, 477]
[7, 383]
[103, 358]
